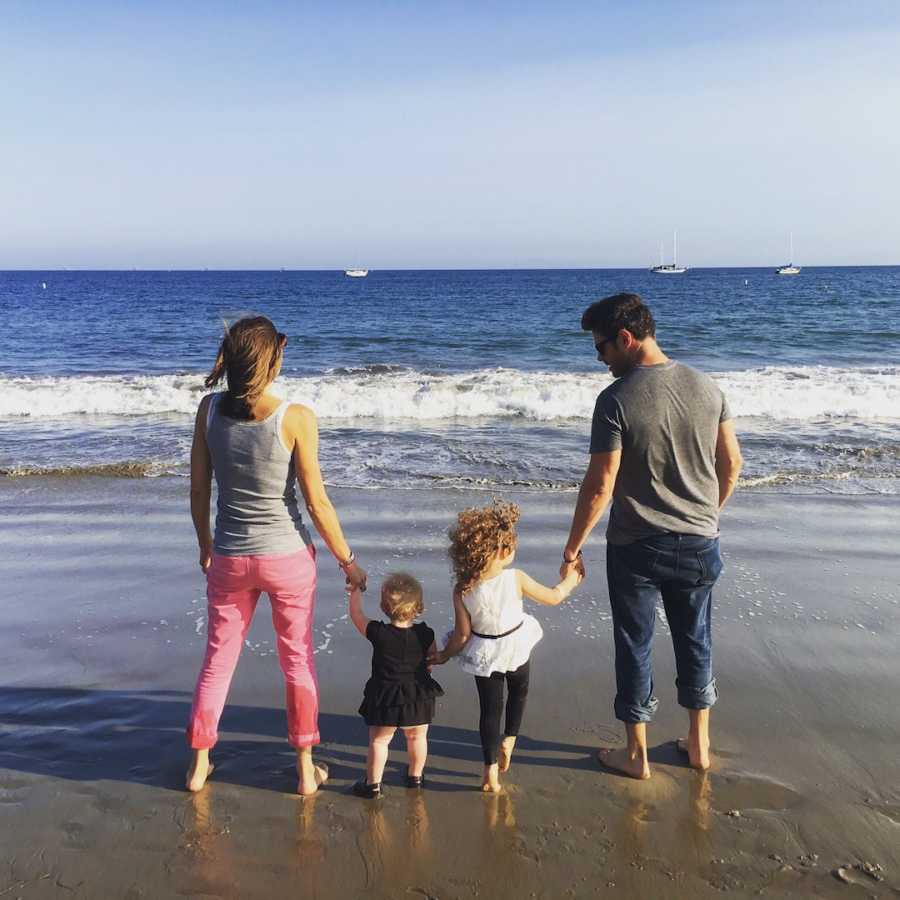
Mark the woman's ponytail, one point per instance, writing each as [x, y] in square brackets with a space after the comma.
[248, 356]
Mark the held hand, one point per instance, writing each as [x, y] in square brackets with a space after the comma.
[573, 579]
[206, 556]
[567, 568]
[436, 659]
[356, 577]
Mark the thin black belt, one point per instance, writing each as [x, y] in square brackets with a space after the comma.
[494, 637]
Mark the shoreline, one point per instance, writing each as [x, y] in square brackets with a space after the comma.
[105, 633]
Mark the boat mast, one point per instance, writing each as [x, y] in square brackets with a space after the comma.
[674, 249]
[792, 248]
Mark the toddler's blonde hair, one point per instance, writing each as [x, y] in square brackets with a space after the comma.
[401, 596]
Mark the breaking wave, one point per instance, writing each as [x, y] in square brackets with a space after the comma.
[394, 393]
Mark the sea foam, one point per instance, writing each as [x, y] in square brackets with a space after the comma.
[779, 393]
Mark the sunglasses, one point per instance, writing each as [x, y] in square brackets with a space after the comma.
[601, 344]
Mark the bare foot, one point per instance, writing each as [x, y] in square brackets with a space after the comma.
[306, 787]
[201, 768]
[506, 750]
[622, 761]
[697, 756]
[490, 782]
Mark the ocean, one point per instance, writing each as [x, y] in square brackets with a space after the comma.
[451, 379]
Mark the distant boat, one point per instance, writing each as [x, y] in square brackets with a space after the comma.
[790, 268]
[356, 273]
[671, 268]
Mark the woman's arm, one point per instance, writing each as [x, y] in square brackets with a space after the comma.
[536, 591]
[461, 632]
[356, 611]
[300, 423]
[201, 484]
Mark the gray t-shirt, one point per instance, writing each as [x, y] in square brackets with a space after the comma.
[665, 420]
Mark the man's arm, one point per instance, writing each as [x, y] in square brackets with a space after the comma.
[728, 460]
[593, 498]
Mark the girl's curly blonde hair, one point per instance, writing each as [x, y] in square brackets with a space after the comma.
[479, 535]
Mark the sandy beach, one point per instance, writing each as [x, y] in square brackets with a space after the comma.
[104, 631]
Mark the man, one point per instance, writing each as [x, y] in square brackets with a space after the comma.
[663, 449]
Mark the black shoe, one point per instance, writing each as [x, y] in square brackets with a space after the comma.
[414, 781]
[366, 790]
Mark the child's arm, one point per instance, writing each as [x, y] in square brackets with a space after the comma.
[538, 592]
[461, 632]
[356, 611]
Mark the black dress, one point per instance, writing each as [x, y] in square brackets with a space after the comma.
[400, 691]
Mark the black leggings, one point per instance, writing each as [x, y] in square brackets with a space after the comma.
[490, 695]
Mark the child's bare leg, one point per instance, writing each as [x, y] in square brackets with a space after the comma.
[310, 774]
[506, 751]
[490, 780]
[416, 748]
[200, 769]
[379, 742]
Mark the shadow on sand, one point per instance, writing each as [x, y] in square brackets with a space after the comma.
[138, 736]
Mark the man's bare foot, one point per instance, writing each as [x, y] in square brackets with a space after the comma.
[490, 782]
[311, 781]
[697, 756]
[201, 768]
[506, 751]
[622, 761]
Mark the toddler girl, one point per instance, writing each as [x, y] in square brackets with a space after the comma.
[401, 693]
[493, 635]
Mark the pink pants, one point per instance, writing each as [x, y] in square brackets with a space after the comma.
[234, 584]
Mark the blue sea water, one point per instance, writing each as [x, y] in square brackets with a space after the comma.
[451, 378]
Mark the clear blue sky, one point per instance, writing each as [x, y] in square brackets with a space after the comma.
[408, 135]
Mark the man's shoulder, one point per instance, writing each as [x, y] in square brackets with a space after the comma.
[689, 375]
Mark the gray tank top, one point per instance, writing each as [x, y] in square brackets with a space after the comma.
[258, 511]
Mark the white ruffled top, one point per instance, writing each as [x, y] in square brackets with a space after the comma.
[495, 607]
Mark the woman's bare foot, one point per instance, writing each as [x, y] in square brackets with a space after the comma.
[200, 769]
[506, 751]
[311, 781]
[634, 765]
[490, 782]
[698, 756]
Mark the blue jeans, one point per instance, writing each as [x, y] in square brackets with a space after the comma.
[682, 569]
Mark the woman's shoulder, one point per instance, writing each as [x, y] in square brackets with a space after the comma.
[299, 411]
[299, 417]
[205, 408]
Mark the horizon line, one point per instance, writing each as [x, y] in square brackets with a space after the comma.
[286, 269]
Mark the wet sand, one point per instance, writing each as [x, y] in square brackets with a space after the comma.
[104, 632]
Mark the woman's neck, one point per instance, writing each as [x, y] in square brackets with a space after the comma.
[264, 405]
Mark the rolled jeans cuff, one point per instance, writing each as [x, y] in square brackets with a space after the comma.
[634, 713]
[697, 698]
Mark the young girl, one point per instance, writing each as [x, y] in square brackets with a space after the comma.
[401, 693]
[493, 635]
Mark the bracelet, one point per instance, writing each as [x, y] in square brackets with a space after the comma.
[569, 562]
[346, 565]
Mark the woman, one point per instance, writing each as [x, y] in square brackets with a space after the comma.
[259, 447]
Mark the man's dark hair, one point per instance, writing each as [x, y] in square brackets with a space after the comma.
[611, 314]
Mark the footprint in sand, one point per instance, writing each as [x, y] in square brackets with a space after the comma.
[746, 792]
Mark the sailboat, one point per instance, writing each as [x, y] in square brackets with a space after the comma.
[790, 268]
[670, 268]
